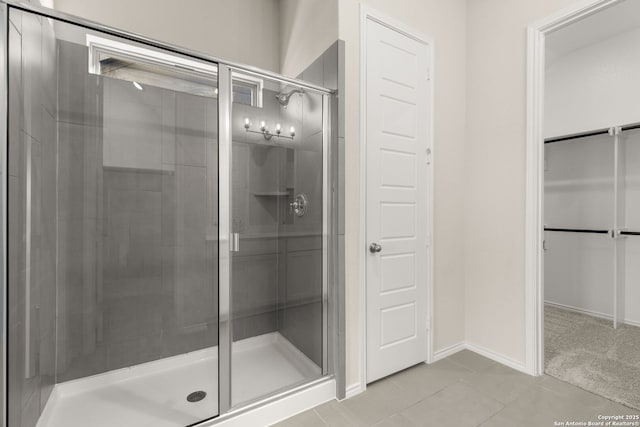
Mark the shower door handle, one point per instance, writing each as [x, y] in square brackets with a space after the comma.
[234, 242]
[375, 248]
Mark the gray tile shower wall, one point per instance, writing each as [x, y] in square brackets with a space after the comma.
[32, 206]
[138, 222]
[300, 313]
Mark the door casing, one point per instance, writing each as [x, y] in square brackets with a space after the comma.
[534, 190]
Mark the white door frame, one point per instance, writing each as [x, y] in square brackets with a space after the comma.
[365, 14]
[534, 269]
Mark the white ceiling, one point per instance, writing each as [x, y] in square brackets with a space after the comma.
[618, 19]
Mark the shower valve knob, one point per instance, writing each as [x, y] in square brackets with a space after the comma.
[299, 205]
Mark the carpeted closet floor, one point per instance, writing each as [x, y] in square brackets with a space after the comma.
[587, 352]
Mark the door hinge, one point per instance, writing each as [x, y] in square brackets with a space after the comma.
[428, 240]
[428, 323]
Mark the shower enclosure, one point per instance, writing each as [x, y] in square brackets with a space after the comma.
[167, 225]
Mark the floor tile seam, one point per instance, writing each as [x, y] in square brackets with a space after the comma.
[492, 416]
[485, 394]
[525, 389]
[471, 370]
[400, 386]
[502, 406]
[422, 399]
[345, 411]
[457, 381]
[315, 411]
[462, 383]
[388, 417]
[425, 398]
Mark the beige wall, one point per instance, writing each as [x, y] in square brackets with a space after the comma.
[494, 187]
[284, 36]
[445, 22]
[244, 31]
[307, 29]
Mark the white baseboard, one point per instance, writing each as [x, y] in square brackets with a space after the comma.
[353, 390]
[448, 351]
[482, 351]
[507, 361]
[632, 322]
[590, 313]
[497, 357]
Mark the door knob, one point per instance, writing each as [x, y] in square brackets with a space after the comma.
[374, 247]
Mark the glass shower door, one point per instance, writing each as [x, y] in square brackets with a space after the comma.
[113, 222]
[276, 238]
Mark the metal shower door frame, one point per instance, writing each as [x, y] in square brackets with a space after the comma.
[333, 357]
[4, 171]
[329, 291]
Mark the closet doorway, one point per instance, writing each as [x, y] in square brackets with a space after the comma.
[591, 199]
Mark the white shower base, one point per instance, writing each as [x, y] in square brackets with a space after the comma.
[154, 393]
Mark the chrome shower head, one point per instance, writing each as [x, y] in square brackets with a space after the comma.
[283, 98]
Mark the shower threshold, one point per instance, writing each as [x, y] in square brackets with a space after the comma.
[155, 393]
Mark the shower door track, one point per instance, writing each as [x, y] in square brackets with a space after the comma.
[333, 353]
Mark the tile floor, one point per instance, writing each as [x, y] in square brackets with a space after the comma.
[463, 390]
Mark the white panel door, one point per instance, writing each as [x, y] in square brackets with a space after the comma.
[397, 137]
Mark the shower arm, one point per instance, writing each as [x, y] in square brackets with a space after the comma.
[284, 98]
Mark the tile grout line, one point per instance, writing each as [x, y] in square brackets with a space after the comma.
[461, 382]
[431, 395]
[425, 397]
[492, 416]
[473, 371]
[320, 417]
